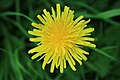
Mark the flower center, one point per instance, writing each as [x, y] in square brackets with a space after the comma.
[58, 36]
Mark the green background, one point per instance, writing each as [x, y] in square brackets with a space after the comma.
[15, 20]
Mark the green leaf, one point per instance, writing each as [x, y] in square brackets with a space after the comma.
[14, 14]
[109, 14]
[104, 53]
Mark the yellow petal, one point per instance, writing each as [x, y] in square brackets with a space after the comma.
[41, 19]
[76, 57]
[84, 43]
[53, 13]
[77, 30]
[61, 65]
[39, 48]
[87, 38]
[38, 39]
[70, 17]
[37, 55]
[65, 13]
[44, 17]
[72, 60]
[80, 53]
[82, 34]
[88, 30]
[41, 57]
[78, 19]
[64, 63]
[46, 59]
[78, 24]
[70, 63]
[86, 22]
[58, 10]
[39, 26]
[48, 16]
[52, 56]
[36, 33]
[56, 62]
[52, 66]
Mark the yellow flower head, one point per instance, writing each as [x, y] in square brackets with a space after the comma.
[60, 38]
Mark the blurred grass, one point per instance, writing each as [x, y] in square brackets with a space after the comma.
[15, 20]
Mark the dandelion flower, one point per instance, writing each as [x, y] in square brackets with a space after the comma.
[60, 39]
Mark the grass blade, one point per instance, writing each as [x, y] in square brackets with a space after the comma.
[17, 14]
[109, 14]
[104, 53]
